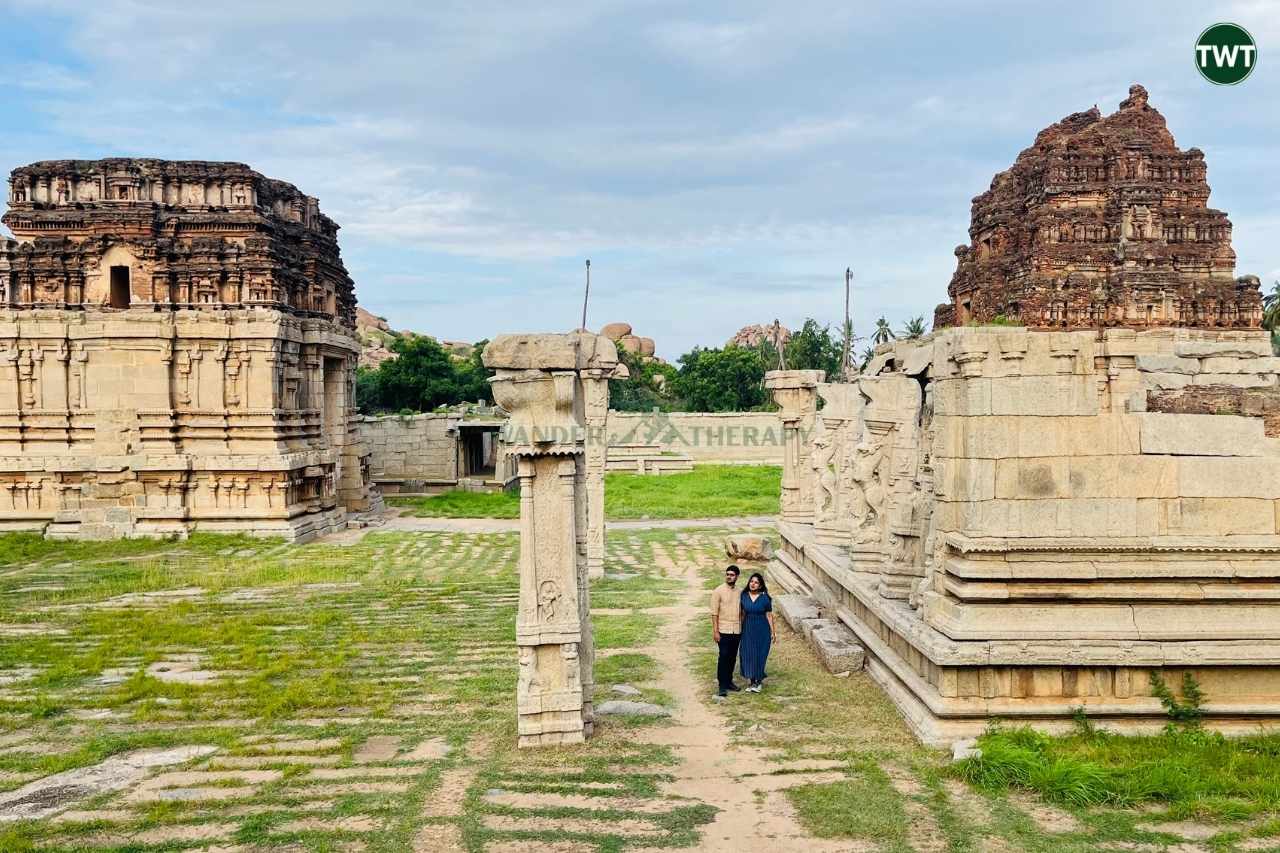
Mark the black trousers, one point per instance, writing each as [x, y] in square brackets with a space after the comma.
[728, 659]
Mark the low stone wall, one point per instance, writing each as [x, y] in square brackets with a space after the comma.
[705, 437]
[412, 448]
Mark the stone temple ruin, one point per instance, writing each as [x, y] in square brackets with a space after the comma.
[177, 351]
[1018, 522]
[1102, 222]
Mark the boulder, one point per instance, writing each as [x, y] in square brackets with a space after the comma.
[625, 690]
[647, 346]
[630, 343]
[615, 331]
[838, 648]
[626, 708]
[748, 546]
[795, 610]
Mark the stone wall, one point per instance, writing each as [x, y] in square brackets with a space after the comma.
[705, 437]
[1016, 524]
[420, 448]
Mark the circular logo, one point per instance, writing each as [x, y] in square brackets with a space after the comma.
[1226, 54]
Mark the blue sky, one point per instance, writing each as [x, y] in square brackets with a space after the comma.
[720, 163]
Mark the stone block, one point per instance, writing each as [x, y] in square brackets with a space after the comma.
[808, 626]
[796, 610]
[1223, 477]
[1201, 435]
[1167, 364]
[1187, 516]
[1044, 395]
[1252, 347]
[838, 649]
[1237, 380]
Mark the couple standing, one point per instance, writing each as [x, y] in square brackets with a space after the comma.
[742, 625]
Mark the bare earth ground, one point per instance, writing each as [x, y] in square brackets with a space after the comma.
[356, 694]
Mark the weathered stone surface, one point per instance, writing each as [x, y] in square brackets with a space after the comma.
[752, 336]
[796, 610]
[838, 649]
[1022, 564]
[748, 546]
[625, 708]
[555, 387]
[180, 342]
[1103, 221]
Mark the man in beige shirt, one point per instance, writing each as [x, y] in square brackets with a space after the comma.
[726, 628]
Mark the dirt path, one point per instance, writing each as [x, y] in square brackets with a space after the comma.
[741, 781]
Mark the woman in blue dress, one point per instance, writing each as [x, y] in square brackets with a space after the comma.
[758, 631]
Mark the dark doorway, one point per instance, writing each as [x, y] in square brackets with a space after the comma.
[119, 287]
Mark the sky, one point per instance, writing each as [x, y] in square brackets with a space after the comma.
[719, 163]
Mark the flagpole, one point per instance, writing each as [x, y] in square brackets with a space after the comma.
[848, 326]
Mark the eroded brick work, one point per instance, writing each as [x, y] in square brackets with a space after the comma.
[177, 349]
[1102, 222]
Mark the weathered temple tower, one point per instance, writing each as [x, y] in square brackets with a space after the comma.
[1102, 222]
[177, 351]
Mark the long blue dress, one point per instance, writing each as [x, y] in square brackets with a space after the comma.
[756, 636]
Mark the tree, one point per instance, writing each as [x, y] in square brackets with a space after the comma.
[422, 377]
[914, 328]
[814, 348]
[648, 386]
[883, 334]
[867, 354]
[1271, 308]
[721, 380]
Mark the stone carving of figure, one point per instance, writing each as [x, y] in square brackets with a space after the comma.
[548, 600]
[528, 670]
[868, 493]
[569, 652]
[824, 452]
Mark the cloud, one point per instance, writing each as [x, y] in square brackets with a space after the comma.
[721, 164]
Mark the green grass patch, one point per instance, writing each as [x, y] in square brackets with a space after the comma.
[709, 491]
[460, 504]
[863, 807]
[1194, 773]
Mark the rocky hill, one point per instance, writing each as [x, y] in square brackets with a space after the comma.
[376, 337]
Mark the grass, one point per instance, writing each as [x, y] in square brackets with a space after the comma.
[457, 503]
[313, 641]
[708, 491]
[1194, 774]
[863, 807]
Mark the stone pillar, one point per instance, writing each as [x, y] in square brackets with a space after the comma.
[795, 392]
[838, 429]
[595, 399]
[545, 383]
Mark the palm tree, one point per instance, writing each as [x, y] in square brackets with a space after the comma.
[914, 328]
[883, 334]
[867, 355]
[1271, 308]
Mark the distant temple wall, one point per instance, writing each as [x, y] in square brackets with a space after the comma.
[705, 437]
[416, 452]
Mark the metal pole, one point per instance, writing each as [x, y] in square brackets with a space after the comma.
[586, 295]
[848, 326]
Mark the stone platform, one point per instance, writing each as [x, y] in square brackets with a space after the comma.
[1017, 524]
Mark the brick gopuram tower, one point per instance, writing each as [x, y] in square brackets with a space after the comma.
[1102, 222]
[177, 351]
